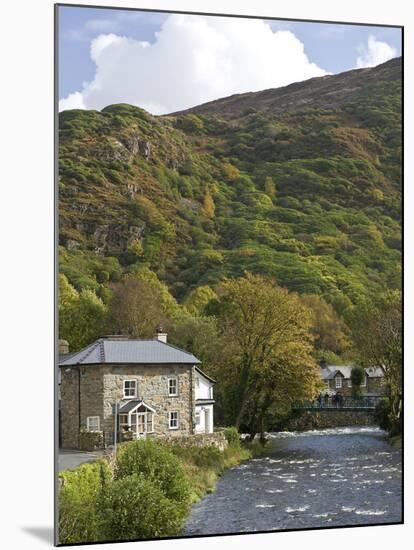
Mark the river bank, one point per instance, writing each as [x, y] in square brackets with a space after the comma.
[333, 477]
[102, 500]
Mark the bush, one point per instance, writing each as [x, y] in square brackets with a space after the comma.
[80, 502]
[156, 463]
[137, 508]
[89, 441]
[232, 436]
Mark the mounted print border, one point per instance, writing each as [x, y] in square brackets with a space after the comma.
[228, 274]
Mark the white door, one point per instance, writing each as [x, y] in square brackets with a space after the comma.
[141, 425]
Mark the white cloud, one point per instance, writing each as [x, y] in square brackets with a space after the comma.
[72, 101]
[193, 60]
[374, 53]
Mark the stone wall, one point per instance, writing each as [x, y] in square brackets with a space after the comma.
[217, 439]
[153, 389]
[320, 419]
[69, 408]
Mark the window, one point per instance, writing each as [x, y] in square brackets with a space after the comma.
[349, 383]
[92, 423]
[364, 381]
[197, 418]
[197, 382]
[172, 386]
[130, 388]
[326, 382]
[338, 382]
[173, 420]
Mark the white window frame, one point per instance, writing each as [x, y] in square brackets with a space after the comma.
[349, 383]
[177, 419]
[364, 381]
[197, 418]
[136, 388]
[326, 382]
[89, 420]
[197, 382]
[338, 382]
[175, 378]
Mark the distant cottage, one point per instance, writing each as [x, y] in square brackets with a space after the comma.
[133, 388]
[337, 378]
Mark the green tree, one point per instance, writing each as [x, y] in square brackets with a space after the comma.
[81, 315]
[136, 308]
[198, 299]
[377, 335]
[357, 377]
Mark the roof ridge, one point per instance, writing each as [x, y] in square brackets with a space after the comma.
[175, 347]
[92, 347]
[102, 350]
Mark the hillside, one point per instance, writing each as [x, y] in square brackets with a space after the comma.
[302, 183]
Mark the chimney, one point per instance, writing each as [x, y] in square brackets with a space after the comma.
[323, 363]
[63, 347]
[160, 335]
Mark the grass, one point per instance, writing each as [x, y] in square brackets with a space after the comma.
[203, 466]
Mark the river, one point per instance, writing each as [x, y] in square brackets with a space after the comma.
[333, 477]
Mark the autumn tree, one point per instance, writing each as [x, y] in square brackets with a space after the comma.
[266, 347]
[208, 207]
[329, 330]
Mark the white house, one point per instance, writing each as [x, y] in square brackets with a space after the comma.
[204, 402]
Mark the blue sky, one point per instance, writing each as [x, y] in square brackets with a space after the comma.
[164, 63]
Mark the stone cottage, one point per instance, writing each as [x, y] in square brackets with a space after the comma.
[337, 378]
[119, 388]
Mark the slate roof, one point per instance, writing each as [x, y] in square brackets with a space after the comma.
[116, 350]
[330, 371]
[127, 406]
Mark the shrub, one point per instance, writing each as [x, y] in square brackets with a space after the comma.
[357, 377]
[137, 508]
[156, 463]
[89, 441]
[382, 414]
[102, 276]
[80, 502]
[232, 436]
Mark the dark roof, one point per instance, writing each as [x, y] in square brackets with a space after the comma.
[115, 350]
[330, 371]
[204, 401]
[127, 406]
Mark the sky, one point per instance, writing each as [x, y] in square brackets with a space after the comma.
[169, 62]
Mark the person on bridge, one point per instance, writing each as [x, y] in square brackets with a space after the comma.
[320, 400]
[326, 399]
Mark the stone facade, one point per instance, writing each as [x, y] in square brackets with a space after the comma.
[373, 385]
[90, 391]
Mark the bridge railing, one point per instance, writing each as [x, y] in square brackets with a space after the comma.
[364, 402]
